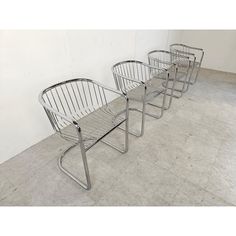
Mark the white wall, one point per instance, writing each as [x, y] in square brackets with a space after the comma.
[32, 60]
[219, 47]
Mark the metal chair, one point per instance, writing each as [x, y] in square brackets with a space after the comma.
[196, 56]
[79, 112]
[143, 83]
[168, 60]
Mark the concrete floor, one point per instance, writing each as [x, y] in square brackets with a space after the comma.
[186, 158]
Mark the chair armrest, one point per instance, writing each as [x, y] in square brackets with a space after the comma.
[187, 46]
[186, 53]
[167, 52]
[123, 94]
[194, 48]
[127, 78]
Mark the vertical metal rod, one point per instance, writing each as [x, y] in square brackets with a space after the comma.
[70, 97]
[122, 79]
[95, 94]
[76, 99]
[82, 103]
[86, 101]
[55, 117]
[90, 96]
[84, 158]
[104, 96]
[173, 86]
[65, 98]
[60, 101]
[199, 66]
[164, 98]
[127, 126]
[143, 111]
[100, 96]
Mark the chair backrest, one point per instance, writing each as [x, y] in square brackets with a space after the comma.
[165, 59]
[127, 72]
[75, 98]
[192, 52]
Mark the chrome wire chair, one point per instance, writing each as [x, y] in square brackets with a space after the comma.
[196, 56]
[168, 60]
[79, 112]
[143, 83]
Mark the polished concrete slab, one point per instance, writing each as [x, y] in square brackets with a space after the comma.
[187, 158]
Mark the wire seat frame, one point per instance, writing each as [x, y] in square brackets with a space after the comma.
[195, 55]
[165, 59]
[141, 82]
[79, 112]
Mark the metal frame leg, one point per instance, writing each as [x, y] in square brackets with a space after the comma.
[172, 90]
[143, 111]
[191, 74]
[197, 72]
[127, 128]
[162, 107]
[179, 91]
[86, 185]
[186, 81]
[150, 114]
[126, 146]
[143, 118]
[199, 67]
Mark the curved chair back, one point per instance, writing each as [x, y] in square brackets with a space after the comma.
[74, 98]
[189, 51]
[130, 74]
[165, 59]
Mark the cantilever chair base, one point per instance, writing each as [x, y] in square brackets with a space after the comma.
[115, 147]
[86, 186]
[79, 112]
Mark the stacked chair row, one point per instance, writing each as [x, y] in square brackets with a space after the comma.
[80, 112]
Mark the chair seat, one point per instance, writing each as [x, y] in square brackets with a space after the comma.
[154, 89]
[184, 63]
[180, 76]
[95, 126]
